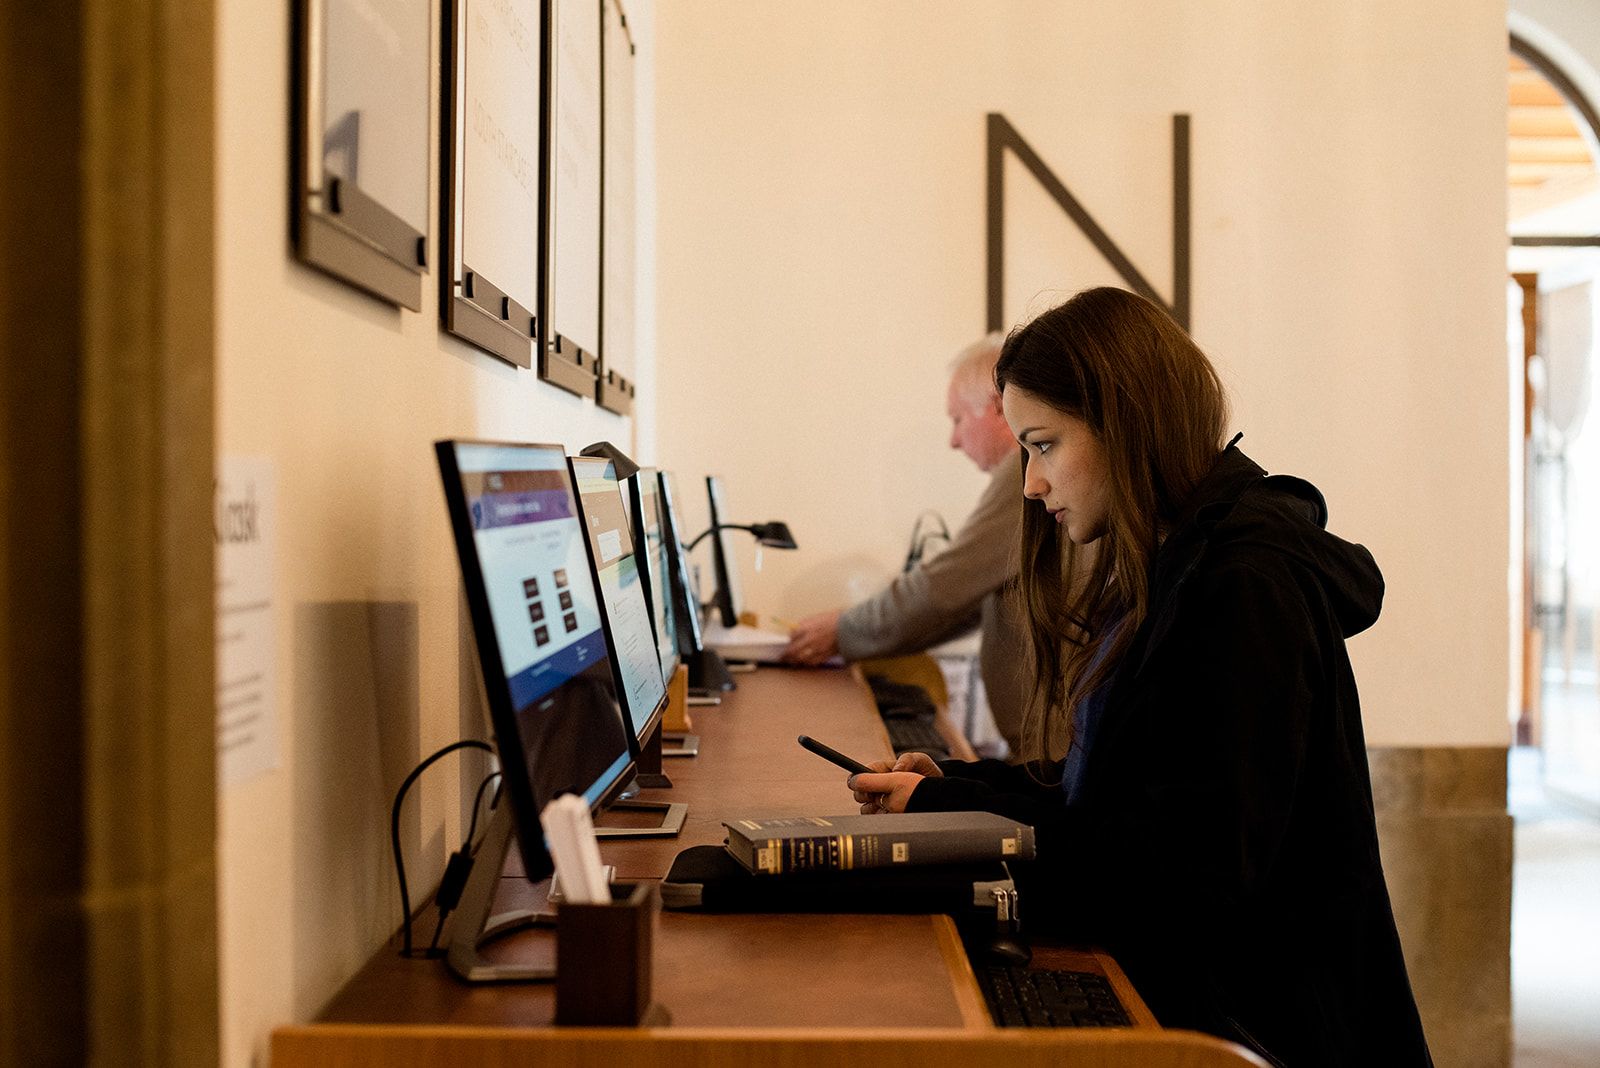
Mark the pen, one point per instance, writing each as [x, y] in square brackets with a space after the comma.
[854, 767]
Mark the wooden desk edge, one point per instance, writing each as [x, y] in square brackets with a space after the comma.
[415, 1046]
[1142, 1016]
[963, 983]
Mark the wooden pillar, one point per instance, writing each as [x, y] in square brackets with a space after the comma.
[108, 929]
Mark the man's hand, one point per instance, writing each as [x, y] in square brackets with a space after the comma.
[813, 639]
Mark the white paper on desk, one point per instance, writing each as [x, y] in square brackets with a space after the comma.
[743, 642]
[246, 701]
[570, 835]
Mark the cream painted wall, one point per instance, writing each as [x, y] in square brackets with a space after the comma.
[821, 256]
[345, 396]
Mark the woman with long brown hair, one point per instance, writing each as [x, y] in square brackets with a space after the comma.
[1209, 819]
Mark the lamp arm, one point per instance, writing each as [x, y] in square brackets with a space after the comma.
[709, 530]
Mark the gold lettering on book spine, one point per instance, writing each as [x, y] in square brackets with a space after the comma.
[847, 843]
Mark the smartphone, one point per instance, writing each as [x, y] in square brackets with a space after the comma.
[854, 767]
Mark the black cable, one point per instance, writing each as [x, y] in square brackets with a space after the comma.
[433, 943]
[916, 530]
[477, 800]
[919, 541]
[459, 868]
[394, 830]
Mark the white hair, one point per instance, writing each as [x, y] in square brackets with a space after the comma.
[972, 371]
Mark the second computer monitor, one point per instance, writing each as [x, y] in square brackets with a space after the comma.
[685, 598]
[730, 601]
[626, 616]
[651, 550]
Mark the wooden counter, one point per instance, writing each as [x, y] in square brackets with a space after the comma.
[746, 989]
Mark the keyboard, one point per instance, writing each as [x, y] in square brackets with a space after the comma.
[919, 734]
[1019, 997]
[887, 695]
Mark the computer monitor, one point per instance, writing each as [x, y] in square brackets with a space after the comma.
[708, 674]
[547, 670]
[729, 599]
[651, 550]
[626, 616]
[685, 597]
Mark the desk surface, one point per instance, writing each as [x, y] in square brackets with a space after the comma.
[735, 983]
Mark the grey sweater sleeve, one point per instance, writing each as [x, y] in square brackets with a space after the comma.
[942, 598]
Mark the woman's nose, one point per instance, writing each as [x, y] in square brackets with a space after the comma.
[1033, 487]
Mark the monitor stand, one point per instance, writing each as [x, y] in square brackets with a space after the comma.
[708, 673]
[649, 777]
[558, 894]
[673, 814]
[473, 926]
[679, 744]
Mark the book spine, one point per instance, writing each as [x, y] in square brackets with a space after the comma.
[844, 852]
[743, 850]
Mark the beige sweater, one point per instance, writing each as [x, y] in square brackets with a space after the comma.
[955, 591]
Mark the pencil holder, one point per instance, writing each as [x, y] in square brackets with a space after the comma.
[604, 955]
[676, 717]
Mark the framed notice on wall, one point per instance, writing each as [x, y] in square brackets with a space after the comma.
[572, 261]
[493, 107]
[617, 258]
[361, 143]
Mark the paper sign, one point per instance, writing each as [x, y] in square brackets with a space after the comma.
[610, 545]
[247, 730]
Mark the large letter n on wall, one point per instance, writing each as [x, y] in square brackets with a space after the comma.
[1002, 135]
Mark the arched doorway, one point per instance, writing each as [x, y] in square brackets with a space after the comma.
[1553, 208]
[1553, 202]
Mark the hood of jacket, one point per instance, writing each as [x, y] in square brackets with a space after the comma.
[1238, 505]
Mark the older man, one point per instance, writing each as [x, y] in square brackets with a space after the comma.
[961, 587]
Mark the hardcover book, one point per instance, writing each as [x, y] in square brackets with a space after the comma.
[707, 879]
[844, 843]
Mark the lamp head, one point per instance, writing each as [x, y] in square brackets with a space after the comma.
[621, 460]
[774, 535]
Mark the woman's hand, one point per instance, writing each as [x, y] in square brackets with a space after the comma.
[888, 788]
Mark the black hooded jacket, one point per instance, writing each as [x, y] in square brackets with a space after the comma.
[1223, 846]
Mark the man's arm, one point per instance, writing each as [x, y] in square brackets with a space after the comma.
[940, 599]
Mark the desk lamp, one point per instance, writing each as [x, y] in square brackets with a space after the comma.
[774, 534]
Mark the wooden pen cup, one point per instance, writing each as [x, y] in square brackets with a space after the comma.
[676, 716]
[604, 956]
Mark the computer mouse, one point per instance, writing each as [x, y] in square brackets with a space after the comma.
[1007, 951]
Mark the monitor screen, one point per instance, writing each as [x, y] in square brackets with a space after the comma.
[685, 598]
[626, 617]
[536, 616]
[730, 602]
[653, 561]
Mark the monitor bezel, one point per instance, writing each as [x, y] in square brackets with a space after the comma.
[691, 641]
[641, 537]
[536, 860]
[638, 738]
